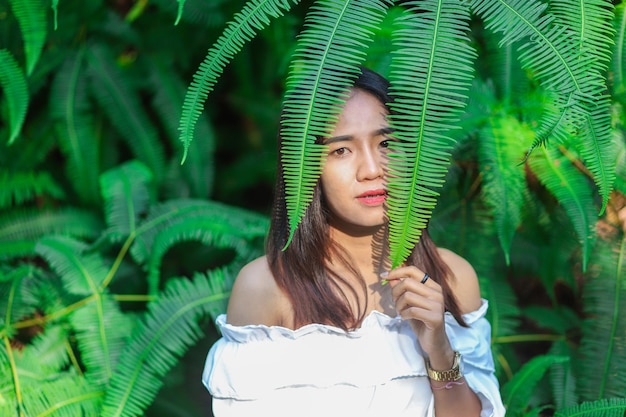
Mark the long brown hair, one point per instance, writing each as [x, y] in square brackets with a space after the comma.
[317, 294]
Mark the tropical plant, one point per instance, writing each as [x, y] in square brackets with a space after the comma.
[114, 257]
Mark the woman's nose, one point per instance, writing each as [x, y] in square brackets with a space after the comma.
[371, 166]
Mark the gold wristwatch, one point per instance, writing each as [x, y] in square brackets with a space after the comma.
[453, 374]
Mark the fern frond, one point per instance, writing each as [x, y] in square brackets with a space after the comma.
[82, 273]
[102, 331]
[618, 62]
[31, 16]
[517, 392]
[170, 327]
[571, 188]
[240, 223]
[611, 407]
[601, 369]
[17, 188]
[562, 377]
[206, 230]
[15, 90]
[325, 63]
[32, 224]
[591, 21]
[500, 151]
[122, 105]
[71, 109]
[430, 74]
[17, 297]
[126, 198]
[63, 396]
[598, 153]
[253, 17]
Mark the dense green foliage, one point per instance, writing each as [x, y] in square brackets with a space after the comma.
[115, 258]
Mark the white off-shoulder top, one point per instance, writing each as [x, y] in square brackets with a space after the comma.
[323, 371]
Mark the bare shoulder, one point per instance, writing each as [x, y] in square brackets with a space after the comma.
[465, 283]
[256, 298]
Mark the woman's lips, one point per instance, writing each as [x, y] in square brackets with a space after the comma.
[372, 197]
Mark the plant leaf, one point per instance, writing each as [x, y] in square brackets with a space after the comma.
[15, 91]
[431, 70]
[608, 407]
[253, 17]
[31, 16]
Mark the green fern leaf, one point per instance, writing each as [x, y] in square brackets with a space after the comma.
[122, 105]
[126, 198]
[209, 231]
[33, 224]
[170, 327]
[431, 70]
[618, 63]
[517, 392]
[571, 188]
[500, 151]
[596, 148]
[62, 396]
[17, 188]
[562, 377]
[82, 273]
[611, 407]
[75, 127]
[31, 16]
[601, 369]
[100, 326]
[325, 63]
[17, 297]
[240, 223]
[15, 90]
[591, 22]
[253, 17]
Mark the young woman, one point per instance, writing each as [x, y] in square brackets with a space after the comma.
[314, 330]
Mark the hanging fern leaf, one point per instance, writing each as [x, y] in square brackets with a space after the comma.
[601, 369]
[253, 17]
[562, 377]
[63, 396]
[17, 297]
[326, 61]
[517, 392]
[612, 407]
[618, 63]
[501, 149]
[126, 197]
[431, 71]
[170, 327]
[75, 127]
[15, 91]
[572, 189]
[31, 15]
[55, 11]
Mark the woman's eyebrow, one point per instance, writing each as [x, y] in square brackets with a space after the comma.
[380, 132]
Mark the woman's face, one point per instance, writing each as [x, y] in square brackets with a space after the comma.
[353, 182]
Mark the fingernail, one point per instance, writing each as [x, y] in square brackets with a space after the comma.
[384, 274]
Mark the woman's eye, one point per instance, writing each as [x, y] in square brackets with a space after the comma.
[340, 151]
[384, 144]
